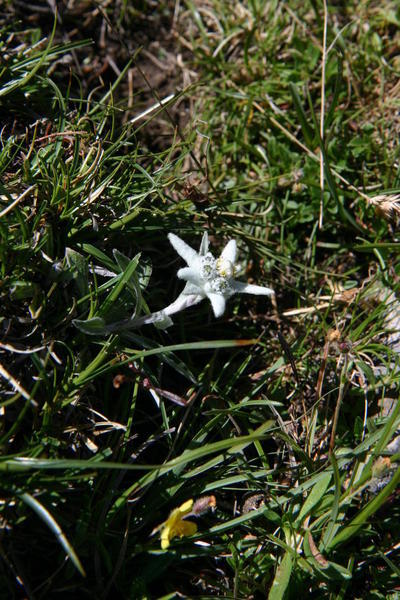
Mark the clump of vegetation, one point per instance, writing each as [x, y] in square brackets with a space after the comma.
[269, 435]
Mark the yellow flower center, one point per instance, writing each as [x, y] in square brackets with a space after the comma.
[225, 268]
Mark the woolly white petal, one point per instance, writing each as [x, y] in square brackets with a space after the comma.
[183, 301]
[204, 244]
[248, 288]
[217, 303]
[189, 274]
[185, 251]
[230, 251]
[191, 288]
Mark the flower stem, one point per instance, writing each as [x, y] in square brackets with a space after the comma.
[183, 301]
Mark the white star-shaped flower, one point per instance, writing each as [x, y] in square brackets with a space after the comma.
[205, 276]
[208, 277]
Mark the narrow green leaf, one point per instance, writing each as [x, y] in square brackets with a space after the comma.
[55, 528]
[88, 373]
[122, 260]
[26, 463]
[383, 437]
[365, 514]
[132, 282]
[114, 86]
[171, 359]
[78, 266]
[99, 255]
[305, 126]
[314, 496]
[370, 247]
[112, 297]
[28, 76]
[91, 372]
[332, 526]
[336, 91]
[328, 173]
[282, 578]
[233, 524]
[327, 569]
[231, 445]
[94, 326]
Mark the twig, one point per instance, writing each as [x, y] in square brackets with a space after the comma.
[343, 376]
[322, 120]
[17, 200]
[159, 104]
[16, 385]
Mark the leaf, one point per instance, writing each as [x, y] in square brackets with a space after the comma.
[233, 524]
[282, 578]
[27, 76]
[164, 323]
[171, 359]
[327, 569]
[77, 264]
[94, 326]
[133, 282]
[56, 529]
[126, 277]
[26, 463]
[20, 290]
[314, 551]
[336, 92]
[306, 128]
[365, 514]
[314, 496]
[330, 180]
[144, 272]
[230, 445]
[121, 260]
[99, 255]
[332, 527]
[90, 372]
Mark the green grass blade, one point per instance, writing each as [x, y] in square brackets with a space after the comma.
[332, 525]
[307, 130]
[44, 514]
[317, 492]
[282, 578]
[94, 369]
[347, 532]
[112, 297]
[26, 78]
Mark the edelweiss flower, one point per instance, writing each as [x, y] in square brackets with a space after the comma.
[212, 278]
[205, 276]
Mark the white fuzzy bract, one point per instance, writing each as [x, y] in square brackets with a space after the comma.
[208, 277]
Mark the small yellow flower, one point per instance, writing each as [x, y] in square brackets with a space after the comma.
[175, 526]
